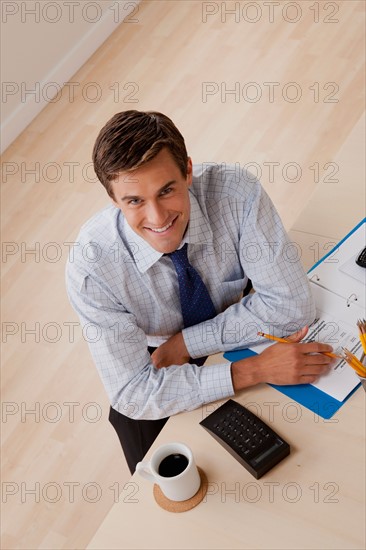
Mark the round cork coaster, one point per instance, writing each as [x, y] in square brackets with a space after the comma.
[184, 505]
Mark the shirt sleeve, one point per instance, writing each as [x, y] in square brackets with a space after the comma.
[282, 302]
[119, 348]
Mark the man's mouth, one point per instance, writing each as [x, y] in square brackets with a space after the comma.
[162, 229]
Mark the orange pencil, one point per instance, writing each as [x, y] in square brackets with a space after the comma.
[354, 363]
[287, 341]
[361, 323]
[275, 338]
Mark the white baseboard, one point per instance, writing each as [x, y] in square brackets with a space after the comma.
[73, 59]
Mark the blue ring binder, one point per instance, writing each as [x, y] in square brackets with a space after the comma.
[307, 395]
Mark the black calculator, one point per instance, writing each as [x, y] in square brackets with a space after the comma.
[247, 438]
[361, 258]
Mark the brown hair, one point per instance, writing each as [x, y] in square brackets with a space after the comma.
[133, 138]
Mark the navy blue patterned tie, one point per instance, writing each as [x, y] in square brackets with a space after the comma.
[195, 301]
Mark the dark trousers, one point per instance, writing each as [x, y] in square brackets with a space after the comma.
[137, 436]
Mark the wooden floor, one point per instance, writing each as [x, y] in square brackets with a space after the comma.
[280, 97]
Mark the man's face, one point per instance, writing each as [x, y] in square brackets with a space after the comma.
[155, 201]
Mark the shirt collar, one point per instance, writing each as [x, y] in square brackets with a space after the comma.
[198, 232]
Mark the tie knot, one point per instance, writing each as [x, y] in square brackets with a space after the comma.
[180, 258]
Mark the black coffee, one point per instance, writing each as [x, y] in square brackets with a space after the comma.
[173, 465]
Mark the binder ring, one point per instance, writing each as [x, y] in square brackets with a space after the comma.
[314, 277]
[352, 298]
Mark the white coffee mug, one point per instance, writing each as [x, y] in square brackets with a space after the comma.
[173, 468]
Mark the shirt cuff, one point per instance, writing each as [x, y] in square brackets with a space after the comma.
[216, 382]
[200, 340]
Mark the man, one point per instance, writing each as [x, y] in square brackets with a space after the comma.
[158, 279]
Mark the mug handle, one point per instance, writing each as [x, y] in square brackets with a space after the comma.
[143, 468]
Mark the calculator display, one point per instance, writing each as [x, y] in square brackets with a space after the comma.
[267, 452]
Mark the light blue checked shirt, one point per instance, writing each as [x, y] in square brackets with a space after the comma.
[126, 293]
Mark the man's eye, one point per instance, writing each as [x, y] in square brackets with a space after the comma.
[167, 191]
[134, 202]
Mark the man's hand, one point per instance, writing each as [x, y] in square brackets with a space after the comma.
[172, 352]
[284, 364]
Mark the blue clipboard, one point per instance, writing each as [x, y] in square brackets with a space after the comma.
[305, 394]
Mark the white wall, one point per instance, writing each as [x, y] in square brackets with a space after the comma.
[43, 44]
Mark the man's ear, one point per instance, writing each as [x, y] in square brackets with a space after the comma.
[189, 171]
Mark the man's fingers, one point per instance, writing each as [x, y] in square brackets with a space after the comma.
[311, 373]
[318, 359]
[308, 379]
[315, 347]
[156, 361]
[315, 369]
[299, 335]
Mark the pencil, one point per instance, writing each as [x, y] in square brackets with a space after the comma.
[287, 341]
[275, 338]
[361, 323]
[354, 363]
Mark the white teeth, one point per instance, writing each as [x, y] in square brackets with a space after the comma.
[162, 229]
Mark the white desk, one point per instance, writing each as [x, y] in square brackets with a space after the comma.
[315, 498]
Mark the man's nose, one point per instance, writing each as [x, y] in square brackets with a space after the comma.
[156, 214]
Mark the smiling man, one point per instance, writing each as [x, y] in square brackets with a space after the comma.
[155, 201]
[166, 277]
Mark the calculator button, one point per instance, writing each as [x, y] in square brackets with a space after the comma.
[246, 437]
